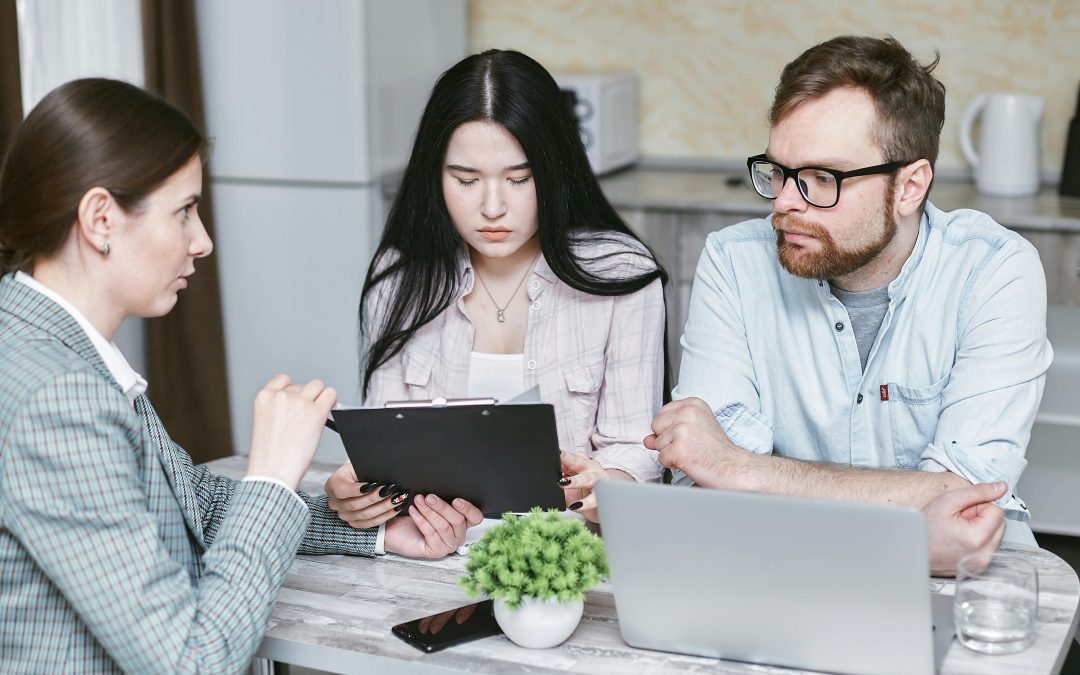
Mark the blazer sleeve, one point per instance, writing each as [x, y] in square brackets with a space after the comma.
[326, 533]
[74, 497]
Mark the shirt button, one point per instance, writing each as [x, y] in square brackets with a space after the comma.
[536, 305]
[531, 365]
[839, 326]
[534, 284]
[858, 399]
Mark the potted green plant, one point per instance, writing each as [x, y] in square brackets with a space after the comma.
[536, 568]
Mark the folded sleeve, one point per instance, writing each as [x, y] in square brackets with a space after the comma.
[633, 383]
[716, 364]
[996, 383]
[715, 333]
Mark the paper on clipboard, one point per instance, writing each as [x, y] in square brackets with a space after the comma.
[531, 395]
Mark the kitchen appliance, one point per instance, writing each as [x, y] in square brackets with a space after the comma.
[1007, 161]
[606, 107]
[312, 106]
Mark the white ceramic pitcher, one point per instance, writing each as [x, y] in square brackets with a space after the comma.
[1007, 162]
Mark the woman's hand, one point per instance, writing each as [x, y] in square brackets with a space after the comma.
[580, 474]
[363, 503]
[434, 529]
[288, 422]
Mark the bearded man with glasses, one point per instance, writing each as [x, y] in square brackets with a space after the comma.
[861, 344]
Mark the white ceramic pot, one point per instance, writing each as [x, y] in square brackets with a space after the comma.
[539, 624]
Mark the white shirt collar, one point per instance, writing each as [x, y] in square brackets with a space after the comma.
[130, 381]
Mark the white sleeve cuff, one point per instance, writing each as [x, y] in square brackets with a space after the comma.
[276, 481]
[380, 540]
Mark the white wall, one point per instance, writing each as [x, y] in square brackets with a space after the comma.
[62, 40]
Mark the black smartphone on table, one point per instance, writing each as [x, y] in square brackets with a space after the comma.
[452, 627]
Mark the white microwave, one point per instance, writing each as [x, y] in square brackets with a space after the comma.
[606, 107]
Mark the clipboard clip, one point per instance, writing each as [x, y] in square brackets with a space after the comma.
[433, 403]
[441, 403]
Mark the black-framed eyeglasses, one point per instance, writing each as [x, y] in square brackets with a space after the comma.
[818, 185]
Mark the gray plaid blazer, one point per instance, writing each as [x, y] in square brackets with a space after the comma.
[115, 552]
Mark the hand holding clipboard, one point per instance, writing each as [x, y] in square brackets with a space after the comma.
[501, 457]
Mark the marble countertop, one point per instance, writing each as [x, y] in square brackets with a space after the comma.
[728, 192]
[334, 613]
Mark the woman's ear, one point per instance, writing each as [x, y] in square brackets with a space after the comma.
[96, 218]
[914, 183]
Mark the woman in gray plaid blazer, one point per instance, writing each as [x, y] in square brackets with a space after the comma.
[115, 552]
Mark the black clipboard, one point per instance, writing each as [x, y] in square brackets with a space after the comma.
[499, 457]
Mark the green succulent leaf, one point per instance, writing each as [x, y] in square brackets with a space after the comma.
[539, 555]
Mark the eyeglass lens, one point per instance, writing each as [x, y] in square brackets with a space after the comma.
[816, 186]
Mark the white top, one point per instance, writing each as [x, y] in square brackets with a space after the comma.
[500, 376]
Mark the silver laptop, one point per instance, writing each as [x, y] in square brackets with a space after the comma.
[805, 584]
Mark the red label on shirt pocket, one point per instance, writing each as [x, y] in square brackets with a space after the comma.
[884, 389]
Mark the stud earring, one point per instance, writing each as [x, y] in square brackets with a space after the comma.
[104, 248]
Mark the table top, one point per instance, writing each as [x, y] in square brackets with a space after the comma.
[335, 613]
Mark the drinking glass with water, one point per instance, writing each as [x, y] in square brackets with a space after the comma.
[997, 602]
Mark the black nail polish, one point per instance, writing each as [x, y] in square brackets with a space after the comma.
[399, 498]
[368, 487]
[387, 490]
[564, 481]
[402, 506]
[575, 506]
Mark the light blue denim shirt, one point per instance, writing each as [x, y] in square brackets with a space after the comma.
[953, 380]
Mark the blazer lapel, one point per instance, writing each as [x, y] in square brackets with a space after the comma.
[42, 313]
[175, 465]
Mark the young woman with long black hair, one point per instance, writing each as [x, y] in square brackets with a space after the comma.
[503, 267]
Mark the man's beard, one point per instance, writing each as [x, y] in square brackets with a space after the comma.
[831, 261]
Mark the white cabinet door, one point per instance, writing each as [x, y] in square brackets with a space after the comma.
[285, 87]
[292, 264]
[410, 43]
[321, 91]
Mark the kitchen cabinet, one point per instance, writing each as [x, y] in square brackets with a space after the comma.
[1060, 254]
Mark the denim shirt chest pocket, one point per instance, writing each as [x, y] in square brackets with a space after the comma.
[913, 419]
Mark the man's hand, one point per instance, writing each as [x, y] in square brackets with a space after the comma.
[363, 503]
[688, 438]
[961, 522]
[434, 529]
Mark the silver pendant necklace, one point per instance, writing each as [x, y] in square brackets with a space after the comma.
[500, 312]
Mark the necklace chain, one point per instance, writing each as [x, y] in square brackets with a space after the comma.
[500, 312]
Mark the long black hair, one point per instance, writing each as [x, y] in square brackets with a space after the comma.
[420, 248]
